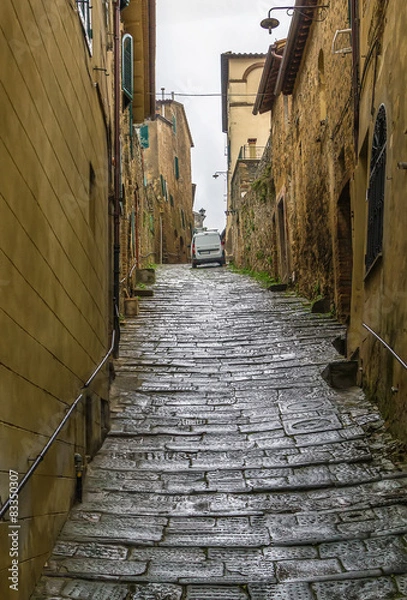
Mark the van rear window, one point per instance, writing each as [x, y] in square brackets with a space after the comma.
[210, 238]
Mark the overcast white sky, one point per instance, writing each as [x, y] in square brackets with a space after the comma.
[191, 36]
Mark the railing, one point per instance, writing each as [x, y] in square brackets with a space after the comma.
[251, 152]
[4, 509]
[396, 356]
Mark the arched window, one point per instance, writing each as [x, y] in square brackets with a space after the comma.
[127, 66]
[375, 195]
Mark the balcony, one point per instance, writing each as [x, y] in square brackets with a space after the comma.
[251, 152]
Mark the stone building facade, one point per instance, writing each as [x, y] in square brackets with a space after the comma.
[56, 206]
[379, 283]
[309, 95]
[167, 163]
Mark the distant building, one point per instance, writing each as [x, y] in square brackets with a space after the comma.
[246, 134]
[167, 163]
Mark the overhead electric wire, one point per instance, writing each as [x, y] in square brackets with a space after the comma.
[215, 94]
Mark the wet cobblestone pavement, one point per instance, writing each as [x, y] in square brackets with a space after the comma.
[232, 470]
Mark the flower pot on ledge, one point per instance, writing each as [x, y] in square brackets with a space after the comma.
[131, 307]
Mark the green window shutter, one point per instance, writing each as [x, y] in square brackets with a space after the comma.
[127, 65]
[174, 124]
[164, 188]
[176, 167]
[144, 136]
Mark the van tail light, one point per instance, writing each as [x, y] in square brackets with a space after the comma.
[193, 248]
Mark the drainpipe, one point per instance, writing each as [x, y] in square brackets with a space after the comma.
[117, 166]
[355, 21]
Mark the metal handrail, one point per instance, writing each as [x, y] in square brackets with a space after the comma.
[251, 152]
[396, 356]
[40, 457]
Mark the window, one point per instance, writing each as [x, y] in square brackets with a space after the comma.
[164, 188]
[144, 136]
[86, 19]
[127, 67]
[375, 195]
[176, 167]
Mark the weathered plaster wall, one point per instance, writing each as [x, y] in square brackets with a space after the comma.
[254, 196]
[379, 298]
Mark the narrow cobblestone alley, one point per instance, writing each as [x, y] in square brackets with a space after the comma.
[232, 470]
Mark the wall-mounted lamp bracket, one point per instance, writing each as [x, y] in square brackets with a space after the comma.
[320, 14]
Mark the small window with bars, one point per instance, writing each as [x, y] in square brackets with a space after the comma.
[85, 15]
[375, 196]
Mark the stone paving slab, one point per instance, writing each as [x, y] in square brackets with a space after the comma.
[232, 470]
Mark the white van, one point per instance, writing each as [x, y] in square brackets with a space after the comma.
[207, 248]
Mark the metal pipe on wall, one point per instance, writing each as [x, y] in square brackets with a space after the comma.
[117, 167]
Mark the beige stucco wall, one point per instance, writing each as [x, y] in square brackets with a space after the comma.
[244, 77]
[54, 275]
[379, 299]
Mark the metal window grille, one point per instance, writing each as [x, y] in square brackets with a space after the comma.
[127, 65]
[377, 182]
[85, 16]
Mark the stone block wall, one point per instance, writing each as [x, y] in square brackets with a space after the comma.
[54, 273]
